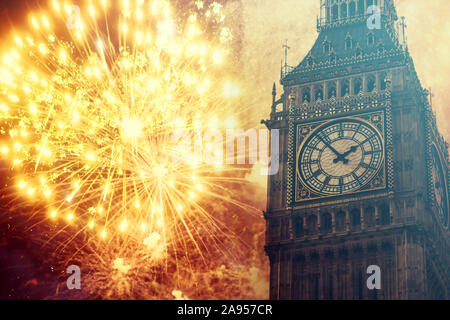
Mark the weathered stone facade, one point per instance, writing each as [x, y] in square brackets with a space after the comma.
[320, 245]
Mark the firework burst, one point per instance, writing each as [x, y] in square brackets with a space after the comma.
[89, 105]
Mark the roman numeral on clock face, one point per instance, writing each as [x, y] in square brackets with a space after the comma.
[316, 174]
[325, 183]
[356, 131]
[371, 152]
[368, 139]
[341, 131]
[355, 177]
[324, 138]
[368, 166]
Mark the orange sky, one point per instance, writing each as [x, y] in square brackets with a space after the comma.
[268, 23]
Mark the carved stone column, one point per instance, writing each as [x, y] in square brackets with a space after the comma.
[338, 89]
[350, 84]
[319, 221]
[333, 221]
[377, 216]
[377, 81]
[361, 210]
[347, 220]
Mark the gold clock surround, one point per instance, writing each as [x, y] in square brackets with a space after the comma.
[305, 131]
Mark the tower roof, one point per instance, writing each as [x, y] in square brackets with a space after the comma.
[351, 34]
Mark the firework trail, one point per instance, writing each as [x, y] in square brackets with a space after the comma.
[91, 97]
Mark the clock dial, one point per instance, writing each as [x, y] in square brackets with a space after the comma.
[439, 188]
[340, 157]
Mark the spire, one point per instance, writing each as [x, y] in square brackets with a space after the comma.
[285, 68]
[274, 98]
[274, 92]
[402, 29]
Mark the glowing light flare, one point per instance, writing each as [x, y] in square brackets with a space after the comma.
[123, 226]
[231, 122]
[231, 90]
[95, 117]
[120, 266]
[53, 214]
[70, 217]
[4, 150]
[132, 128]
[56, 5]
[166, 30]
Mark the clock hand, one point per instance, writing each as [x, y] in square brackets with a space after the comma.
[352, 150]
[344, 156]
[331, 148]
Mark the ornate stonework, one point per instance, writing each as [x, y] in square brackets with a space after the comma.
[321, 235]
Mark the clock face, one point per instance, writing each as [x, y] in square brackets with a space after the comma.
[340, 157]
[439, 188]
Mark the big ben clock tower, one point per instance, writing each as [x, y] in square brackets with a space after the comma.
[363, 177]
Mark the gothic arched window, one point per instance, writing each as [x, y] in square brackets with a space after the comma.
[356, 218]
[275, 230]
[332, 57]
[348, 43]
[385, 215]
[343, 10]
[340, 221]
[383, 77]
[352, 9]
[361, 9]
[299, 232]
[369, 217]
[357, 85]
[380, 49]
[306, 95]
[371, 83]
[326, 223]
[331, 90]
[285, 229]
[311, 223]
[335, 12]
[345, 88]
[318, 93]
